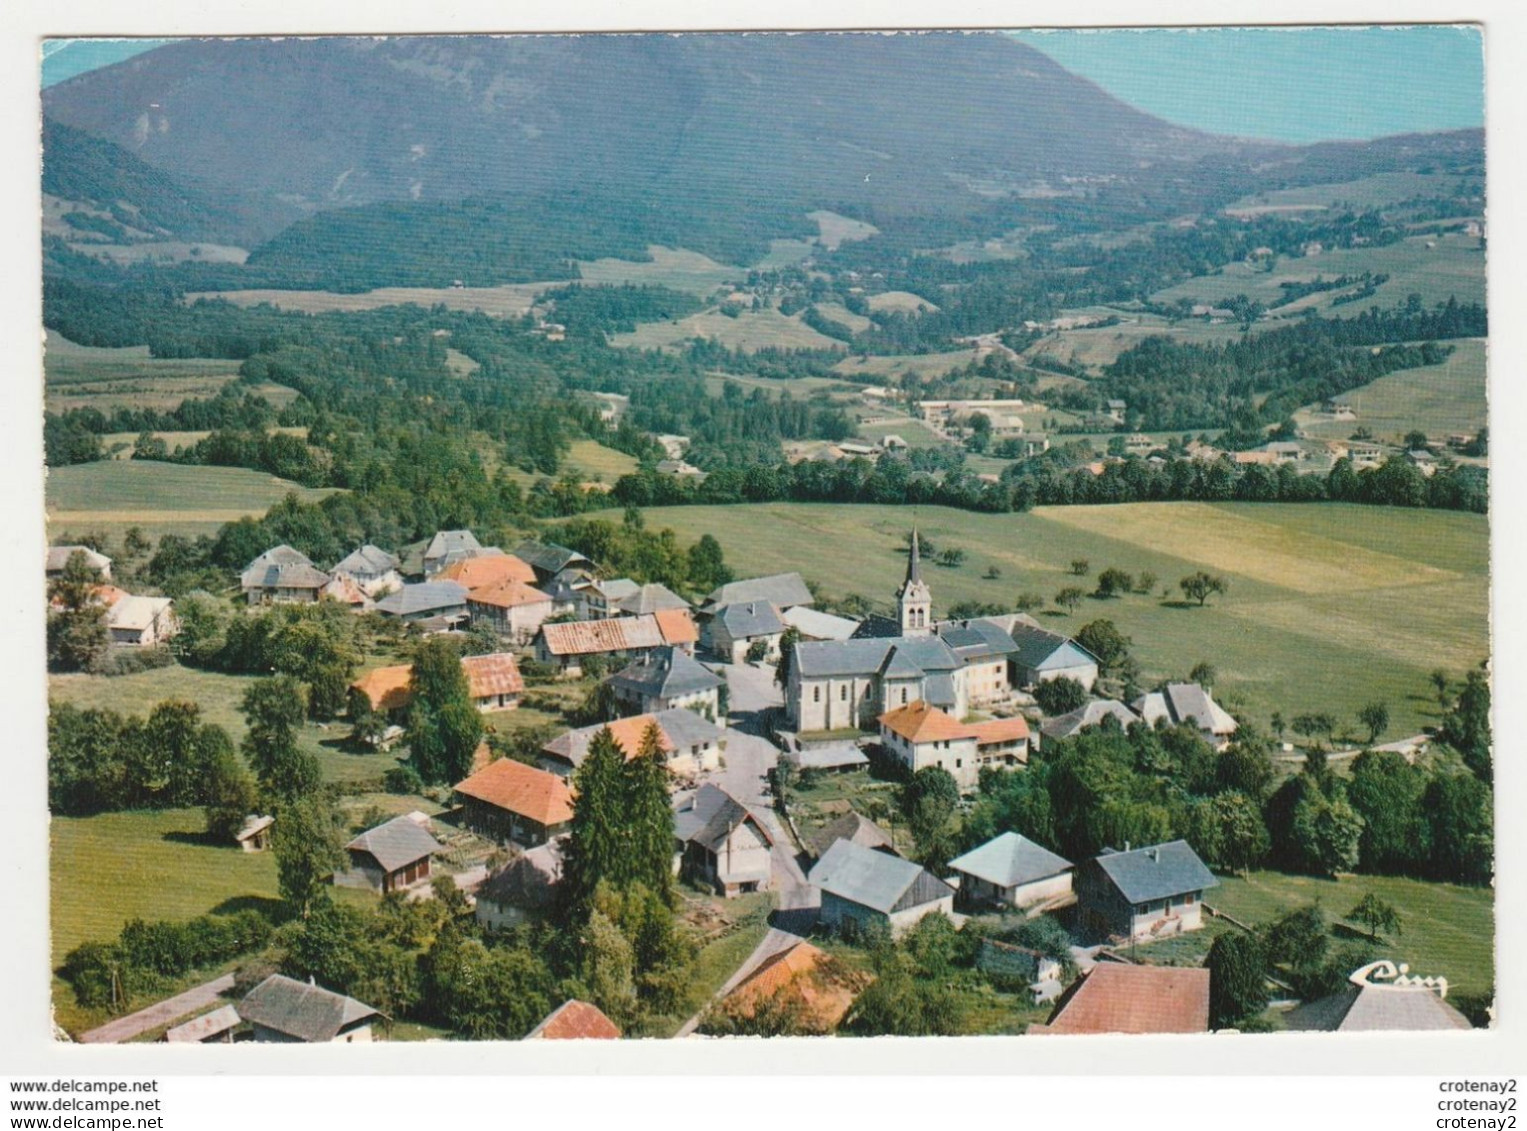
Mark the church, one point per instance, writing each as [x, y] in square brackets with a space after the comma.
[848, 684]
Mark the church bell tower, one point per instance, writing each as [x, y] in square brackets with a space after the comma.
[914, 599]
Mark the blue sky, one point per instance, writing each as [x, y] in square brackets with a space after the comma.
[1282, 84]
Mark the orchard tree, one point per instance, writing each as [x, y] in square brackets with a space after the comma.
[1373, 913]
[1080, 567]
[1203, 674]
[1200, 586]
[1374, 716]
[1070, 597]
[1113, 582]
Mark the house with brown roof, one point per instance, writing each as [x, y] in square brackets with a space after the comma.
[510, 801]
[487, 567]
[813, 988]
[494, 683]
[566, 645]
[514, 609]
[722, 844]
[575, 1020]
[1118, 997]
[391, 857]
[922, 735]
[284, 1010]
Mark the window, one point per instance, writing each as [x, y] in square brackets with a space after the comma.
[903, 695]
[843, 693]
[816, 694]
[1187, 900]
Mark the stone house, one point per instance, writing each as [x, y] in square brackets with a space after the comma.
[1190, 703]
[733, 629]
[510, 801]
[282, 575]
[721, 844]
[665, 678]
[373, 570]
[514, 610]
[690, 742]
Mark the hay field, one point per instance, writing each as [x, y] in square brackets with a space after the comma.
[900, 300]
[669, 267]
[1438, 399]
[511, 300]
[1098, 346]
[111, 495]
[1369, 192]
[1330, 606]
[876, 368]
[834, 229]
[837, 312]
[750, 331]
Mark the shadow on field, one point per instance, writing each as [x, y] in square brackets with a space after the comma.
[269, 906]
[198, 839]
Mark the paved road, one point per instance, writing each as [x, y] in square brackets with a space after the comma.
[126, 1028]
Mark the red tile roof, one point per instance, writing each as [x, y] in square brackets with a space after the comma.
[823, 988]
[919, 721]
[521, 789]
[387, 688]
[1118, 998]
[588, 637]
[494, 674]
[999, 730]
[677, 626]
[487, 569]
[508, 595]
[575, 1020]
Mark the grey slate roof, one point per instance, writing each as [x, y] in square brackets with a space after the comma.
[447, 543]
[548, 558]
[301, 1009]
[852, 827]
[817, 625]
[747, 619]
[875, 880]
[651, 599]
[1185, 702]
[1370, 1008]
[1010, 859]
[397, 844]
[830, 756]
[1156, 872]
[1090, 715]
[1037, 648]
[889, 655]
[367, 559]
[939, 691]
[683, 727]
[617, 589]
[529, 880]
[711, 816]
[664, 673]
[976, 639]
[425, 597]
[281, 562]
[782, 590]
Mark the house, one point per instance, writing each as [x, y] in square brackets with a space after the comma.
[254, 834]
[732, 630]
[818, 989]
[215, 1028]
[647, 599]
[1114, 410]
[1286, 451]
[282, 575]
[523, 888]
[426, 601]
[920, 735]
[58, 558]
[829, 757]
[813, 624]
[1190, 703]
[782, 590]
[1119, 997]
[664, 678]
[141, 621]
[690, 743]
[1145, 893]
[854, 828]
[1040, 654]
[984, 648]
[494, 682]
[600, 597]
[862, 888]
[565, 645]
[1011, 871]
[374, 570]
[282, 1009]
[486, 569]
[391, 857]
[510, 801]
[389, 690]
[1379, 997]
[551, 562]
[513, 609]
[855, 450]
[345, 591]
[1094, 714]
[1362, 453]
[1422, 460]
[575, 1020]
[1008, 962]
[448, 546]
[721, 844]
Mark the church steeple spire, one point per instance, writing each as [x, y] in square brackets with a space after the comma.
[914, 600]
[914, 568]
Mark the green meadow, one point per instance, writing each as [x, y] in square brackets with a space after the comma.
[1439, 400]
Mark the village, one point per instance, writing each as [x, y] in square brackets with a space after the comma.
[760, 706]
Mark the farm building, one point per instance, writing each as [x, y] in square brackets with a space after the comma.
[1191, 703]
[214, 1028]
[731, 630]
[721, 844]
[426, 601]
[1145, 893]
[58, 557]
[1041, 654]
[646, 599]
[921, 735]
[514, 610]
[782, 590]
[523, 888]
[282, 1009]
[551, 562]
[813, 624]
[566, 645]
[391, 857]
[494, 683]
[1379, 998]
[1116, 997]
[690, 742]
[665, 678]
[854, 828]
[861, 887]
[1011, 871]
[485, 568]
[254, 834]
[371, 568]
[1095, 713]
[575, 1020]
[804, 978]
[830, 757]
[444, 548]
[282, 575]
[141, 621]
[510, 801]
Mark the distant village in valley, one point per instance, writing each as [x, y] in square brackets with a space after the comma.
[857, 784]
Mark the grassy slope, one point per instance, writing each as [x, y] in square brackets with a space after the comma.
[750, 330]
[1330, 607]
[680, 269]
[1439, 400]
[113, 494]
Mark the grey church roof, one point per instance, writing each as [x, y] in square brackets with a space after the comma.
[874, 879]
[906, 656]
[1010, 859]
[664, 673]
[1156, 872]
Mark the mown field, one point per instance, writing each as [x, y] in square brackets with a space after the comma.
[1454, 266]
[751, 330]
[1439, 400]
[507, 301]
[111, 495]
[1369, 192]
[1330, 606]
[677, 268]
[1097, 346]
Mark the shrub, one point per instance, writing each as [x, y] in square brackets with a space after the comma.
[402, 779]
